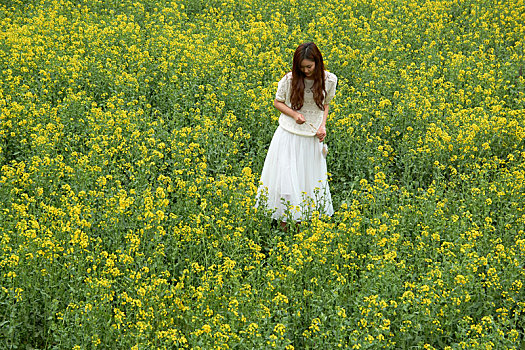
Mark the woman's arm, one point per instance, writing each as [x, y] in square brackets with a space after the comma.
[321, 132]
[281, 106]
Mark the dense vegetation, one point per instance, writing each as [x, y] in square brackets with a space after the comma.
[133, 134]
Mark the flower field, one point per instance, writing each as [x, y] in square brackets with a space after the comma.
[133, 134]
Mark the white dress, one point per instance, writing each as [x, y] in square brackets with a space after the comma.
[294, 181]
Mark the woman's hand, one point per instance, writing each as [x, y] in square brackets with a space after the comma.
[299, 118]
[283, 108]
[321, 133]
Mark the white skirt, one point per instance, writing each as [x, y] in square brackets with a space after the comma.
[294, 181]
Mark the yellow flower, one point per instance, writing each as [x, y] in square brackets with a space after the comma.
[206, 328]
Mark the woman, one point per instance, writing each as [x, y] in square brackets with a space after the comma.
[294, 177]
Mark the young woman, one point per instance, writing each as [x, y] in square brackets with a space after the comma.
[294, 177]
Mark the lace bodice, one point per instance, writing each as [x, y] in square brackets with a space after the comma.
[310, 111]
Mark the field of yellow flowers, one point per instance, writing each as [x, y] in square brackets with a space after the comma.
[133, 133]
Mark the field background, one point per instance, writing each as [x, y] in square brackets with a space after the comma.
[132, 138]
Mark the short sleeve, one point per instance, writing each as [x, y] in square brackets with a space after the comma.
[331, 83]
[282, 89]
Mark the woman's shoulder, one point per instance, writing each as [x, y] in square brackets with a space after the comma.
[330, 77]
[286, 79]
[287, 76]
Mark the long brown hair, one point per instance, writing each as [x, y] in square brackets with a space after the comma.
[310, 52]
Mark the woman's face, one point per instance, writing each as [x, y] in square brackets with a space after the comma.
[307, 67]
